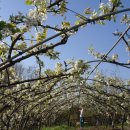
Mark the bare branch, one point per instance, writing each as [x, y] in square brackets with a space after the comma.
[12, 45]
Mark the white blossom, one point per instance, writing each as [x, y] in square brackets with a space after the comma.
[115, 57]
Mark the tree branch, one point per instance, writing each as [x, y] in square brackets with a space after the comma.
[12, 45]
[63, 32]
[44, 50]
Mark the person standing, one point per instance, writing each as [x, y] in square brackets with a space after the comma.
[81, 118]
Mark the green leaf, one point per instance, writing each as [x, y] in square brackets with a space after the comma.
[0, 52]
[0, 36]
[77, 22]
[11, 25]
[66, 24]
[44, 33]
[28, 2]
[2, 24]
[15, 52]
[22, 46]
[88, 11]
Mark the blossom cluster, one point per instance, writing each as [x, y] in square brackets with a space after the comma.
[35, 17]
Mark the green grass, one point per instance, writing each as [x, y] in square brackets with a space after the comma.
[62, 127]
[77, 128]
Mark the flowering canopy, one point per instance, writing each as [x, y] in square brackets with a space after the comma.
[28, 100]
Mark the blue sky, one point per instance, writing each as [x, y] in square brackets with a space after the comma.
[98, 36]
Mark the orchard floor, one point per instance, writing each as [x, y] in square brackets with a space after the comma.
[100, 129]
[95, 128]
[87, 128]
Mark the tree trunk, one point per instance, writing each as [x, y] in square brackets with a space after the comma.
[122, 122]
[113, 121]
[7, 126]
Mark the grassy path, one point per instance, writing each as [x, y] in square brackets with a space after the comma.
[86, 128]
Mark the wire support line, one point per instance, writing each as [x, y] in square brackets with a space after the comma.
[120, 38]
[78, 14]
[63, 32]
